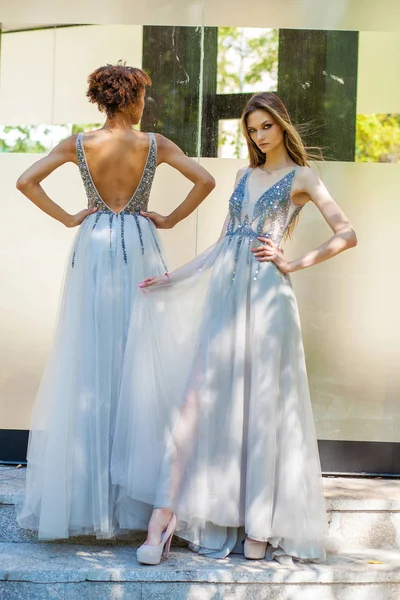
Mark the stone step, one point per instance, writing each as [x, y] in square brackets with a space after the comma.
[67, 572]
[364, 512]
[361, 512]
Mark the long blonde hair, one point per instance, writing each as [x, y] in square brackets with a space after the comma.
[295, 146]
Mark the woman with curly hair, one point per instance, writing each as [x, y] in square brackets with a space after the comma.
[69, 488]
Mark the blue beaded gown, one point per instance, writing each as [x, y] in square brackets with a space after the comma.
[69, 489]
[241, 445]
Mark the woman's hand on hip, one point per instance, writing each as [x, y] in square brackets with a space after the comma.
[270, 252]
[75, 220]
[159, 221]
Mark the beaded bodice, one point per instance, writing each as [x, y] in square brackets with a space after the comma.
[269, 216]
[140, 198]
[137, 203]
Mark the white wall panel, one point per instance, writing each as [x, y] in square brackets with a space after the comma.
[378, 73]
[26, 77]
[80, 50]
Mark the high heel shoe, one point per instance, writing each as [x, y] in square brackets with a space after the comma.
[151, 555]
[254, 550]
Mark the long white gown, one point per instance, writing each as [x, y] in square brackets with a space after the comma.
[69, 489]
[222, 367]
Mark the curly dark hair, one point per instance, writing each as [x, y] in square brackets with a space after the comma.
[115, 87]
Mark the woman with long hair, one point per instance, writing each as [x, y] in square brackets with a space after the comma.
[69, 489]
[242, 461]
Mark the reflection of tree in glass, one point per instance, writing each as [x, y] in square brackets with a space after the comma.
[247, 57]
[247, 62]
[79, 127]
[378, 138]
[34, 139]
[20, 140]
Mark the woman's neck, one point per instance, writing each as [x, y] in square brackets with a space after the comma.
[119, 121]
[276, 160]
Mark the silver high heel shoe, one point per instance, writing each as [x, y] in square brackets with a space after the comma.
[151, 555]
[254, 550]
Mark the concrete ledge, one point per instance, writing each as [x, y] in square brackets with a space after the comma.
[12, 482]
[10, 531]
[362, 512]
[60, 563]
[341, 493]
[361, 494]
[195, 591]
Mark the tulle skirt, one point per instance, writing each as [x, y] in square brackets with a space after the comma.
[220, 392]
[69, 489]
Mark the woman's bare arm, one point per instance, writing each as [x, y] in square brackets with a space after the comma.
[29, 183]
[344, 236]
[204, 183]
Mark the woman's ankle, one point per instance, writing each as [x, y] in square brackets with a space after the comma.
[253, 541]
[161, 511]
[157, 525]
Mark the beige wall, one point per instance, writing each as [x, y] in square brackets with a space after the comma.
[348, 305]
[33, 254]
[349, 308]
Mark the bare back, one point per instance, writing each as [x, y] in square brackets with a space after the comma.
[116, 161]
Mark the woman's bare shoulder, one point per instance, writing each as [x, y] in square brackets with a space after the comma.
[164, 143]
[67, 148]
[306, 174]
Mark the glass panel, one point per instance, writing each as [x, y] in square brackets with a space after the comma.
[172, 57]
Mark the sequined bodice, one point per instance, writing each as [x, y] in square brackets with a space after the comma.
[137, 203]
[140, 198]
[269, 216]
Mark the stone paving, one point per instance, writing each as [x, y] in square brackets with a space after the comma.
[108, 570]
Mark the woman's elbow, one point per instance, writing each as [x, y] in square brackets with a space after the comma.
[22, 183]
[352, 239]
[208, 183]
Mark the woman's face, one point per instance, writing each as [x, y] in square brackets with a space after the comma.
[265, 132]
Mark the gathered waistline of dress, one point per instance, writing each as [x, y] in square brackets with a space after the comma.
[243, 231]
[108, 211]
[139, 220]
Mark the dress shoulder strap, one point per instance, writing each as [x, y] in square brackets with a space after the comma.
[152, 148]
